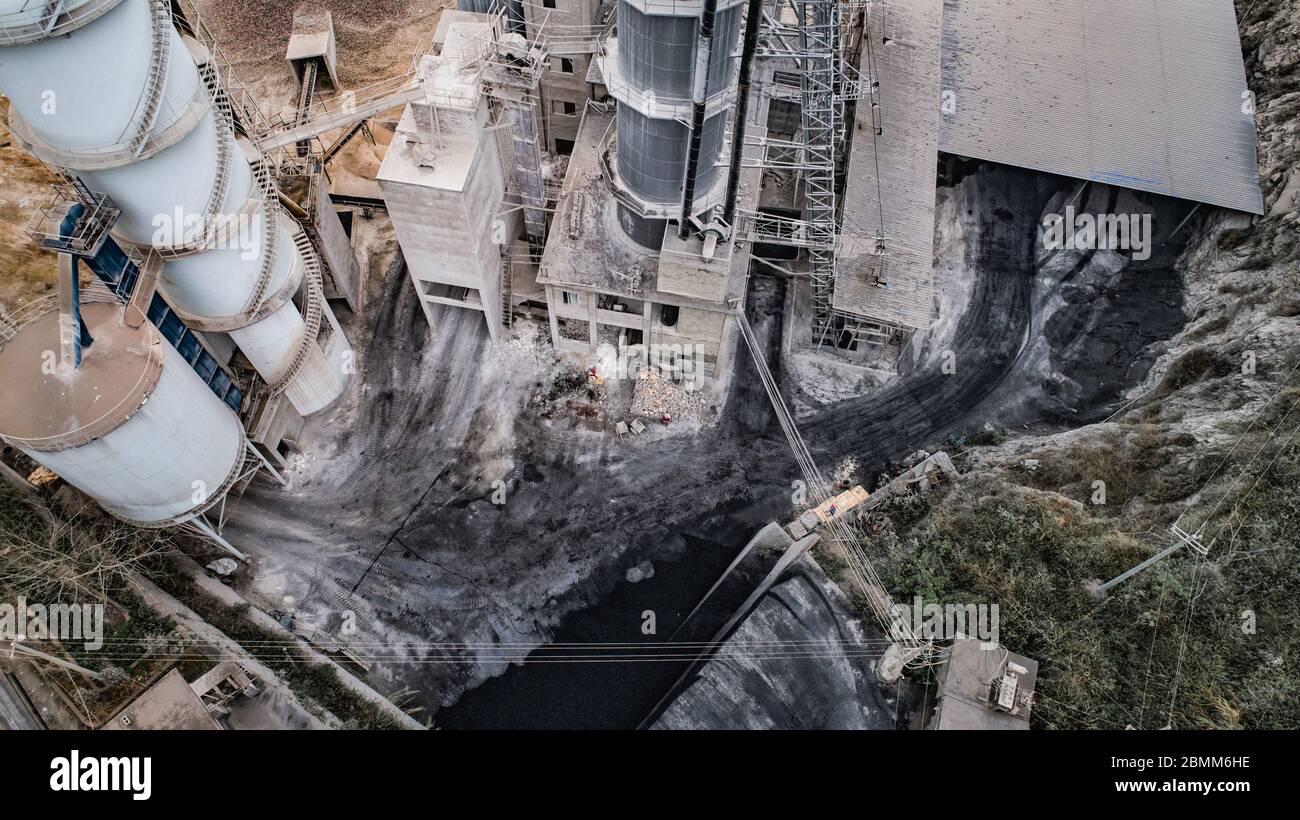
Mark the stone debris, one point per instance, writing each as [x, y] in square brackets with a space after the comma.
[641, 572]
[224, 567]
[845, 472]
[656, 396]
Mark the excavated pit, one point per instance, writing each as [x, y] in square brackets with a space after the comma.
[392, 523]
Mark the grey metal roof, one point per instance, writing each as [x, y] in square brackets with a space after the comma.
[1143, 94]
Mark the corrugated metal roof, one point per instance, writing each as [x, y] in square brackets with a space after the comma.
[898, 287]
[1144, 94]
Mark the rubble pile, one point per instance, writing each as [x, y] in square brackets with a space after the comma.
[656, 396]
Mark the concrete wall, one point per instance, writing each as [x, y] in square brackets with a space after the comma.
[694, 326]
[447, 224]
[557, 86]
[336, 248]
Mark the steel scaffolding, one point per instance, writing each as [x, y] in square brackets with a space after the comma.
[819, 39]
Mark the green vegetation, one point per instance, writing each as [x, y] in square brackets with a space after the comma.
[830, 561]
[984, 437]
[85, 561]
[1196, 643]
[88, 558]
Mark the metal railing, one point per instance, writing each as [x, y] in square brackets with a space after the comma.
[270, 208]
[146, 113]
[225, 122]
[29, 24]
[250, 115]
[120, 152]
[13, 322]
[90, 228]
[313, 311]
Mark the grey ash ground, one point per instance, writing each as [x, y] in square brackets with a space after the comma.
[393, 518]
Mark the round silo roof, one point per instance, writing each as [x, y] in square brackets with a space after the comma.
[45, 407]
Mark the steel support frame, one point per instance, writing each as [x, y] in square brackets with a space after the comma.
[819, 44]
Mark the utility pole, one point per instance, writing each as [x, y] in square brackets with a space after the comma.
[1185, 539]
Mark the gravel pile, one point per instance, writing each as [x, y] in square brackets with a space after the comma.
[374, 37]
[266, 21]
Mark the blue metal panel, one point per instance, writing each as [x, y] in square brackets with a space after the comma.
[157, 310]
[220, 383]
[205, 366]
[172, 328]
[189, 347]
[113, 268]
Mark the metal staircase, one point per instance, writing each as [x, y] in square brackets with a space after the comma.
[528, 165]
[50, 14]
[312, 311]
[225, 120]
[248, 117]
[156, 81]
[507, 292]
[514, 79]
[270, 196]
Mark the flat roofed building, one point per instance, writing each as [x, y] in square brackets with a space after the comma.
[168, 704]
[445, 197]
[984, 686]
[885, 253]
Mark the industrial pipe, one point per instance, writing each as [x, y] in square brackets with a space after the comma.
[753, 20]
[699, 93]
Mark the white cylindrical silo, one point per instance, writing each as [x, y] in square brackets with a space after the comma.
[134, 427]
[80, 96]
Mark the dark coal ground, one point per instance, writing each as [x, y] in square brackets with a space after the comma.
[404, 534]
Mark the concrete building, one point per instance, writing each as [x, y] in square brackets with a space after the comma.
[647, 240]
[636, 254]
[569, 28]
[169, 704]
[602, 287]
[443, 183]
[984, 687]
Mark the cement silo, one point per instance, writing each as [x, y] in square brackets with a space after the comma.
[133, 427]
[109, 91]
[671, 70]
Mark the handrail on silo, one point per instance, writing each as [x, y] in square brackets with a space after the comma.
[20, 27]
